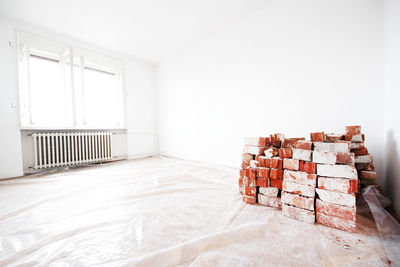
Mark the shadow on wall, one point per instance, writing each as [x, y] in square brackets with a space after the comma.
[391, 181]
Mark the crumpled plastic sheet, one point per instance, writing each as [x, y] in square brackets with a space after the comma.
[163, 212]
[388, 227]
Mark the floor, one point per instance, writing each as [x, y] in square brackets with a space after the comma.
[162, 212]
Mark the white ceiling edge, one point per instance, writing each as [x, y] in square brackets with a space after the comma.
[18, 24]
[151, 30]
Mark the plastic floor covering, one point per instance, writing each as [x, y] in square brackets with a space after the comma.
[163, 212]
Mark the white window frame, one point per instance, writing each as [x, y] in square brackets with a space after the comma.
[28, 43]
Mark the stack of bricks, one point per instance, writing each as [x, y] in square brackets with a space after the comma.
[337, 182]
[253, 147]
[269, 172]
[262, 169]
[364, 162]
[320, 177]
[299, 182]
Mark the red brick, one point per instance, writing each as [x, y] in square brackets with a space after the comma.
[308, 167]
[250, 191]
[276, 173]
[360, 151]
[354, 186]
[317, 137]
[290, 142]
[251, 182]
[298, 201]
[291, 164]
[333, 137]
[263, 172]
[345, 158]
[276, 139]
[368, 175]
[285, 152]
[262, 161]
[247, 157]
[301, 144]
[353, 130]
[336, 222]
[265, 141]
[241, 181]
[277, 183]
[251, 173]
[275, 163]
[249, 200]
[245, 164]
[263, 182]
[365, 166]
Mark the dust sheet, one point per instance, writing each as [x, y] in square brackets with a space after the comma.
[163, 212]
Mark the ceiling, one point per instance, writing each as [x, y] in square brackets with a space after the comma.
[152, 30]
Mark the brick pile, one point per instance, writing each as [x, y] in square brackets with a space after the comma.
[269, 172]
[337, 183]
[364, 162]
[299, 183]
[312, 181]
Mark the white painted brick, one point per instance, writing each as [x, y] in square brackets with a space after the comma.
[298, 213]
[269, 201]
[332, 147]
[251, 141]
[269, 153]
[341, 185]
[363, 159]
[299, 189]
[324, 157]
[300, 177]
[356, 145]
[302, 154]
[348, 200]
[269, 191]
[254, 150]
[298, 201]
[343, 171]
[254, 164]
[357, 138]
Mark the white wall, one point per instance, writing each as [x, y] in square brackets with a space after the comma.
[292, 67]
[137, 140]
[392, 96]
[10, 140]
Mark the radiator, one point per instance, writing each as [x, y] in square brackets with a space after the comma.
[71, 148]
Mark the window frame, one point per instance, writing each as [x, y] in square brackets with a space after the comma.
[67, 54]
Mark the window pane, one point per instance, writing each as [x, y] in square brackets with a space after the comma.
[49, 105]
[101, 98]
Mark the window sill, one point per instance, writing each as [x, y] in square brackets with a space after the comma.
[70, 129]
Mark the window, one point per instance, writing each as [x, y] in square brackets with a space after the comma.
[68, 87]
